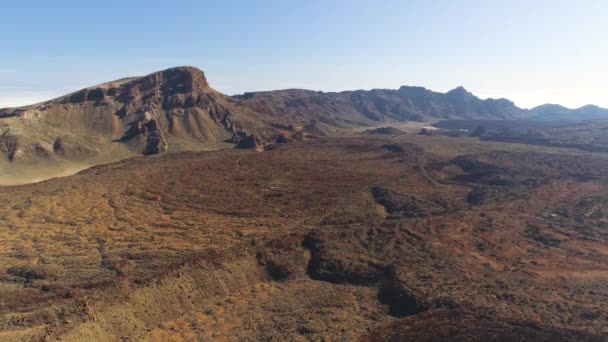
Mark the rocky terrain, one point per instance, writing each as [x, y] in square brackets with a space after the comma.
[296, 215]
[339, 238]
[586, 135]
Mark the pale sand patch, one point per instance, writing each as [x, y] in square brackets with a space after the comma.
[40, 175]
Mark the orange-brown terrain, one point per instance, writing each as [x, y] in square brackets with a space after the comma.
[353, 237]
[307, 230]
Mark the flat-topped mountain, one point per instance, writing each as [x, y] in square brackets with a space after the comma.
[170, 110]
[173, 109]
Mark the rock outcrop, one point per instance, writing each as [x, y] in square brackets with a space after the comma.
[8, 146]
[251, 141]
[384, 131]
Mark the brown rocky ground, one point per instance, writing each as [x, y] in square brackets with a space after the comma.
[371, 238]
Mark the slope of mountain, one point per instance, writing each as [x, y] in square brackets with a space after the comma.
[404, 104]
[170, 110]
[558, 112]
[174, 109]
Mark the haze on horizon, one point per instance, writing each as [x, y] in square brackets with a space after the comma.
[531, 52]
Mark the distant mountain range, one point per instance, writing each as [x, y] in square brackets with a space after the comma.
[176, 109]
[376, 105]
[558, 112]
[408, 104]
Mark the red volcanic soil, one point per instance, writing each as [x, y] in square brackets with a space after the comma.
[409, 238]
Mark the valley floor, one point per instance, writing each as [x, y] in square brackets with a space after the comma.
[352, 238]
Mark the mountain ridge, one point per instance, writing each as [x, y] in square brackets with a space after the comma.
[551, 111]
[176, 109]
[543, 111]
[407, 103]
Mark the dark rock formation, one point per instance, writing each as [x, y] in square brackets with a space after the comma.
[479, 131]
[384, 131]
[401, 205]
[155, 141]
[477, 196]
[9, 145]
[251, 141]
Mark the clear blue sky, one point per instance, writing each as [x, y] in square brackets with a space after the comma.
[532, 52]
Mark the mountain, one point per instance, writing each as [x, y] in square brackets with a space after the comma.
[176, 109]
[558, 112]
[172, 110]
[404, 104]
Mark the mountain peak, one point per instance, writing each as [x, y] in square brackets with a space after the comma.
[558, 112]
[590, 107]
[183, 79]
[460, 90]
[548, 106]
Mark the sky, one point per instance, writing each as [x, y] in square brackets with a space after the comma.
[531, 52]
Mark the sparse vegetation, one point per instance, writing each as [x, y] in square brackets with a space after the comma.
[333, 238]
